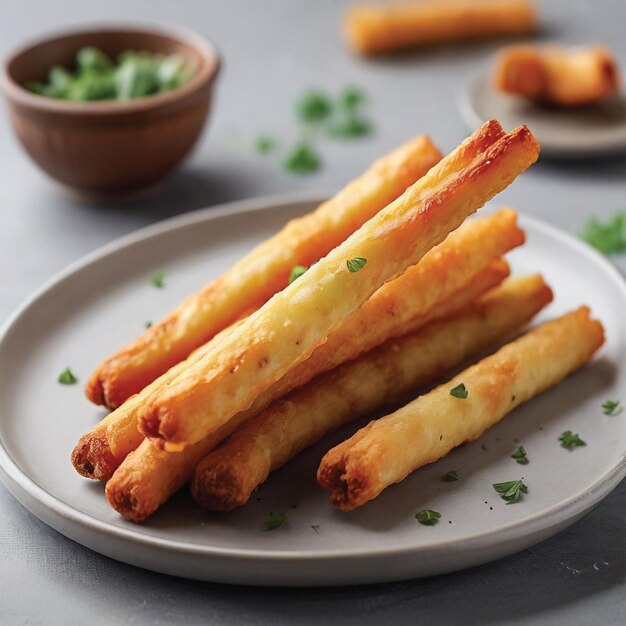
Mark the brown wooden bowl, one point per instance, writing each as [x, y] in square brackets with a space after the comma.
[109, 147]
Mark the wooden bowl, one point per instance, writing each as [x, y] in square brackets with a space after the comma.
[109, 147]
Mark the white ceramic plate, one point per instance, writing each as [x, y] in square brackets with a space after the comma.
[103, 301]
[589, 132]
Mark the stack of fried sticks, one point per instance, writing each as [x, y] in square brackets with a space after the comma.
[251, 370]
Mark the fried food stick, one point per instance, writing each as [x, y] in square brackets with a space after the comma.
[400, 306]
[384, 28]
[423, 293]
[285, 331]
[99, 452]
[557, 76]
[226, 478]
[259, 275]
[149, 476]
[389, 449]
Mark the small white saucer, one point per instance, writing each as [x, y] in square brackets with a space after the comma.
[585, 132]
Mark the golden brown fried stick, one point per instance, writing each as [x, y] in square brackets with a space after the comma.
[557, 76]
[387, 450]
[400, 306]
[410, 301]
[226, 478]
[285, 331]
[260, 274]
[384, 28]
[148, 476]
[99, 452]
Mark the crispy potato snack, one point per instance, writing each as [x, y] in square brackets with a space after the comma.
[148, 476]
[99, 452]
[446, 279]
[383, 28]
[284, 331]
[387, 450]
[259, 275]
[226, 478]
[557, 76]
[423, 292]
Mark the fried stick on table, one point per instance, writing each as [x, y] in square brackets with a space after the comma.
[557, 76]
[387, 450]
[375, 29]
[285, 331]
[149, 476]
[226, 478]
[259, 275]
[400, 306]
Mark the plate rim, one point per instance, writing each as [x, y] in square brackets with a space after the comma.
[570, 509]
[472, 119]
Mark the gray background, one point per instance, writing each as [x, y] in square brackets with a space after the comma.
[272, 51]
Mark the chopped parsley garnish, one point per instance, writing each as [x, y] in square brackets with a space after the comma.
[148, 324]
[296, 272]
[428, 517]
[264, 144]
[95, 76]
[520, 456]
[348, 123]
[355, 264]
[349, 127]
[66, 377]
[611, 407]
[318, 114]
[511, 491]
[608, 237]
[350, 98]
[460, 391]
[451, 476]
[316, 528]
[275, 520]
[570, 440]
[313, 107]
[302, 159]
[158, 279]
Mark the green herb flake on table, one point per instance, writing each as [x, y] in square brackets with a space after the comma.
[66, 377]
[611, 407]
[609, 237]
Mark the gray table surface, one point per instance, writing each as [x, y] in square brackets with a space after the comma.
[273, 50]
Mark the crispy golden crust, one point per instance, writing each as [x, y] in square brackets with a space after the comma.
[453, 275]
[99, 452]
[226, 477]
[423, 292]
[286, 330]
[387, 450]
[557, 76]
[149, 476]
[387, 27]
[260, 274]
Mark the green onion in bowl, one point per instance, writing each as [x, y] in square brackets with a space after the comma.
[98, 77]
